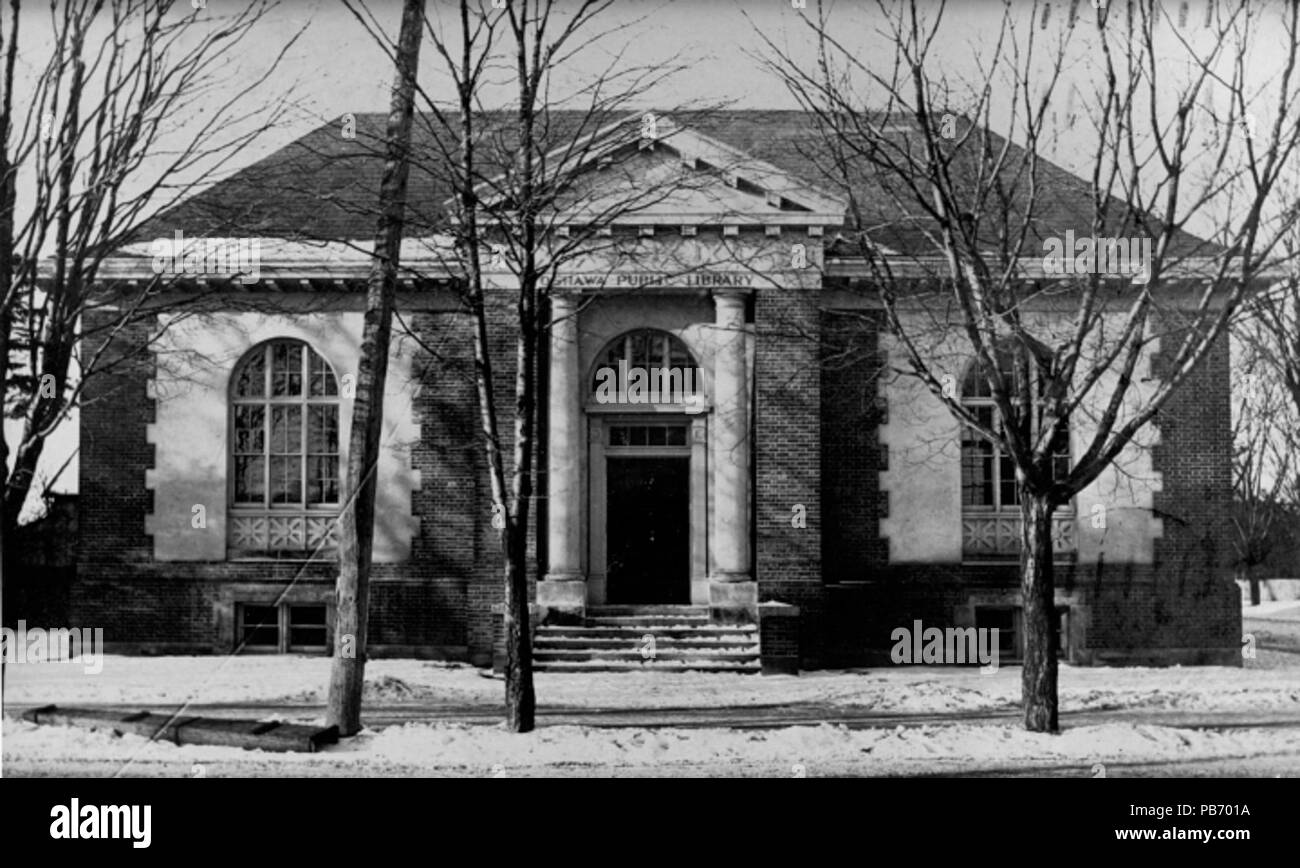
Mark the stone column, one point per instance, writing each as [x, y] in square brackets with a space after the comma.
[562, 594]
[733, 593]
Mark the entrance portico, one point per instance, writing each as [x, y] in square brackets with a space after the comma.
[649, 497]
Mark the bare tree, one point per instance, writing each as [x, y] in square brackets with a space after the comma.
[1264, 480]
[1266, 427]
[89, 151]
[514, 177]
[952, 222]
[357, 521]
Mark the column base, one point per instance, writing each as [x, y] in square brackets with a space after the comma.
[733, 601]
[562, 598]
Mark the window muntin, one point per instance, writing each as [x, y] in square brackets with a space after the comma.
[653, 351]
[988, 475]
[285, 489]
[654, 434]
[259, 627]
[282, 628]
[285, 412]
[307, 628]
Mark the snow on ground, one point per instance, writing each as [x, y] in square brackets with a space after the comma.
[162, 681]
[1268, 686]
[455, 749]
[1275, 627]
[1273, 609]
[424, 749]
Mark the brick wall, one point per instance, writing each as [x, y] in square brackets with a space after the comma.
[816, 446]
[1182, 609]
[452, 489]
[114, 454]
[788, 456]
[851, 454]
[421, 606]
[488, 589]
[1194, 601]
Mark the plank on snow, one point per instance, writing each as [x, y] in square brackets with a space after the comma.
[250, 734]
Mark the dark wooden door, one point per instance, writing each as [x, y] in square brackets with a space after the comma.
[648, 530]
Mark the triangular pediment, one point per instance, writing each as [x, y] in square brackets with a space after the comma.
[677, 176]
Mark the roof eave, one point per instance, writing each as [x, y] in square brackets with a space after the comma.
[1030, 268]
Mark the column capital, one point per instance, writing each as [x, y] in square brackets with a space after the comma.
[731, 295]
[567, 298]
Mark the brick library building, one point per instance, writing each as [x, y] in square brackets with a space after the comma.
[728, 457]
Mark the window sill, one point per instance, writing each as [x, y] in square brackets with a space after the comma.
[279, 533]
[989, 536]
[1010, 561]
[289, 558]
[1007, 512]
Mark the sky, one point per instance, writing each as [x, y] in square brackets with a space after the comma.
[337, 67]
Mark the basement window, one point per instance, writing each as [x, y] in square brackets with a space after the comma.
[259, 628]
[283, 629]
[1006, 621]
[307, 629]
[1009, 621]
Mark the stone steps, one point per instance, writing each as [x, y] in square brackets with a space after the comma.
[649, 621]
[640, 638]
[731, 639]
[692, 611]
[647, 666]
[637, 655]
[635, 633]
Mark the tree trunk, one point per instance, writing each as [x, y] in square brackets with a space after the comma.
[19, 485]
[357, 522]
[5, 325]
[1252, 576]
[520, 699]
[1037, 585]
[521, 702]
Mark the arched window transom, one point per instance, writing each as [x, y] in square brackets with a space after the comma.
[284, 450]
[646, 366]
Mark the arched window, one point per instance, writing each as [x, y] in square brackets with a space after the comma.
[284, 405]
[988, 475]
[646, 366]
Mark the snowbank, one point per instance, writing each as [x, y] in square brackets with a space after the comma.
[450, 749]
[170, 681]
